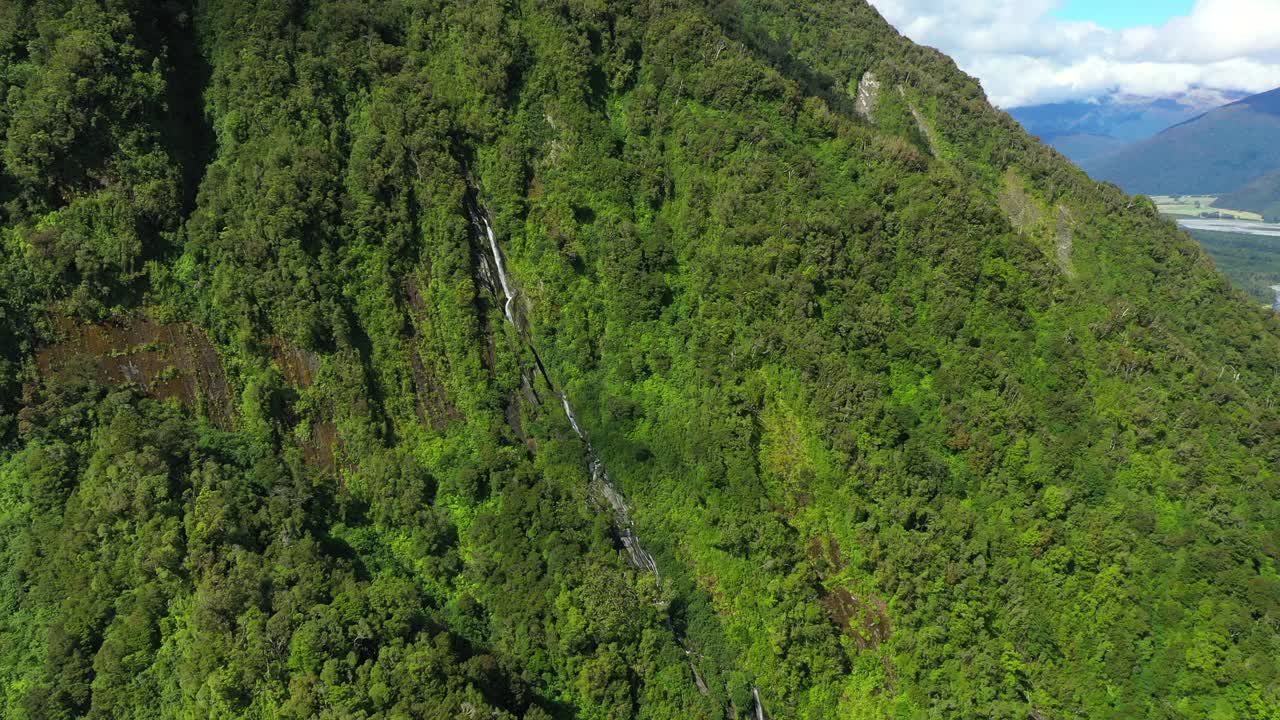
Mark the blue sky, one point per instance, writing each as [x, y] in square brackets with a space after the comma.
[1119, 14]
[1028, 52]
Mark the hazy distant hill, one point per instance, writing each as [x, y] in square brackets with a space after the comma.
[1088, 129]
[1217, 152]
[1260, 196]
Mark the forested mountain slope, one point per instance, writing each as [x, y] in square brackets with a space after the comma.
[1261, 196]
[594, 359]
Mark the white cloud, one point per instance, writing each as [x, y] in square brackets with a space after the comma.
[1024, 56]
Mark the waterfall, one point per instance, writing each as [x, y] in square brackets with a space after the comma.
[500, 266]
[637, 556]
[573, 419]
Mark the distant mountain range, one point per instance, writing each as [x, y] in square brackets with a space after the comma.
[1083, 130]
[1214, 153]
[1202, 142]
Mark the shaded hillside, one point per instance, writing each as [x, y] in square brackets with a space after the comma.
[1261, 196]
[596, 359]
[1217, 152]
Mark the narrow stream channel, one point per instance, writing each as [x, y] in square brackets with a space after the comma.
[637, 556]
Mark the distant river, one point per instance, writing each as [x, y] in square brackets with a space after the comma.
[1232, 226]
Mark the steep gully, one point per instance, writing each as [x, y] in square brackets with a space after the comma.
[601, 484]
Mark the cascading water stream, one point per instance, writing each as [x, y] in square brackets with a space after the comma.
[639, 558]
[573, 419]
[501, 267]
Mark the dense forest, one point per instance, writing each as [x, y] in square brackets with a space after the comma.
[601, 359]
[1251, 262]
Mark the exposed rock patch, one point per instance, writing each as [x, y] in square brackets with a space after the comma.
[1063, 242]
[867, 96]
[300, 369]
[433, 406]
[1019, 206]
[298, 366]
[865, 619]
[1030, 217]
[164, 361]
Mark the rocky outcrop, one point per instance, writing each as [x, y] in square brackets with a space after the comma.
[163, 360]
[867, 96]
